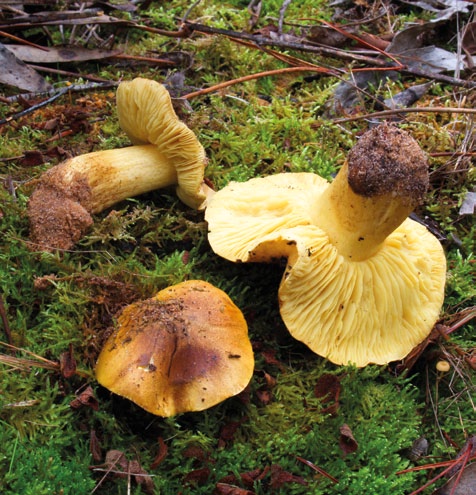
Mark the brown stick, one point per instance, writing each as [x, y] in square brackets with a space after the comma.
[250, 77]
[331, 52]
[263, 40]
[396, 111]
[6, 326]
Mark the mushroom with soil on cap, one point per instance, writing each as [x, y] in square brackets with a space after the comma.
[363, 283]
[165, 152]
[186, 349]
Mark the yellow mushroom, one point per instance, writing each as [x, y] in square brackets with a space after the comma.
[165, 152]
[186, 349]
[363, 283]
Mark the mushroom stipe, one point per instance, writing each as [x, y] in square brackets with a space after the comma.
[165, 153]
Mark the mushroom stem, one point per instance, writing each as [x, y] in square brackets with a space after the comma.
[165, 152]
[60, 208]
[385, 177]
[114, 175]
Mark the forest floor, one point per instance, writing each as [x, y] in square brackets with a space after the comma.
[267, 87]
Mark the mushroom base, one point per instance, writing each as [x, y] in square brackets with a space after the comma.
[59, 212]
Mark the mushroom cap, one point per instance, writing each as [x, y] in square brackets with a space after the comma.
[360, 312]
[146, 115]
[185, 349]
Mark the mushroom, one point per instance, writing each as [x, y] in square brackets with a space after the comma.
[363, 283]
[186, 349]
[165, 152]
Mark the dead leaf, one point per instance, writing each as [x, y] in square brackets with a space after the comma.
[55, 55]
[468, 206]
[161, 455]
[198, 476]
[468, 451]
[347, 95]
[280, 477]
[17, 74]
[68, 363]
[327, 36]
[195, 452]
[32, 159]
[269, 356]
[228, 430]
[465, 485]
[264, 396]
[85, 398]
[95, 446]
[264, 393]
[347, 442]
[444, 9]
[226, 489]
[414, 49]
[431, 59]
[468, 42]
[328, 389]
[117, 464]
[408, 96]
[247, 479]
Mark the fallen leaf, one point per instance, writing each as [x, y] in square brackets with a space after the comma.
[347, 442]
[32, 159]
[226, 489]
[117, 464]
[444, 9]
[468, 206]
[264, 392]
[95, 446]
[460, 484]
[195, 452]
[327, 36]
[198, 476]
[347, 95]
[264, 396]
[59, 54]
[431, 59]
[161, 455]
[68, 363]
[408, 96]
[468, 42]
[280, 477]
[85, 398]
[17, 74]
[467, 451]
[247, 479]
[228, 430]
[328, 389]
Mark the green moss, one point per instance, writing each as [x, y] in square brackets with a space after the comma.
[265, 126]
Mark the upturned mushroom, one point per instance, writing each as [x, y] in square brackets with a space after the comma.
[165, 152]
[363, 283]
[186, 349]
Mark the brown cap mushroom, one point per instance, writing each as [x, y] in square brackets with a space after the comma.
[363, 283]
[186, 349]
[166, 152]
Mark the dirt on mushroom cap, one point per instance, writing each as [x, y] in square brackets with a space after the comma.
[394, 157]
